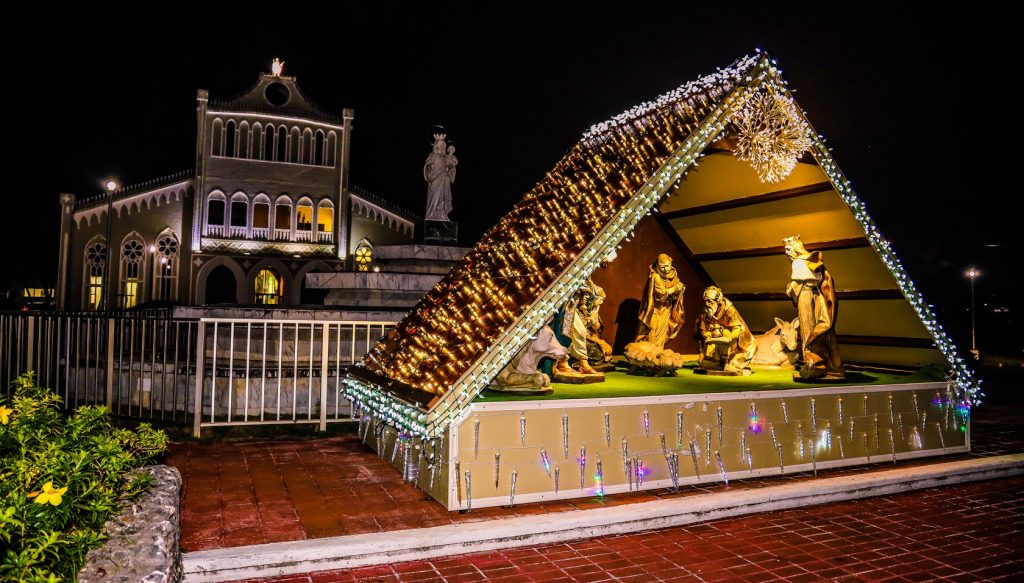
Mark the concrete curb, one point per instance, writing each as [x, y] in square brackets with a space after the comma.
[345, 552]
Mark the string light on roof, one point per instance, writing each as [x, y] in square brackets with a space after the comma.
[467, 328]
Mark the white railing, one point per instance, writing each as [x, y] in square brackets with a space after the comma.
[325, 236]
[282, 234]
[304, 236]
[152, 366]
[260, 233]
[137, 364]
[237, 232]
[215, 230]
[277, 371]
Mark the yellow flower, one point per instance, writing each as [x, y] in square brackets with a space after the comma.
[49, 494]
[5, 415]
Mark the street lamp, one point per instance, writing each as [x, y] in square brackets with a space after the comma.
[110, 185]
[972, 274]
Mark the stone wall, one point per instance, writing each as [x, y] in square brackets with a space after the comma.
[143, 537]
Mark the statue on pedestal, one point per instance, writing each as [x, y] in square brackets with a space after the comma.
[661, 318]
[813, 290]
[581, 323]
[439, 172]
[727, 346]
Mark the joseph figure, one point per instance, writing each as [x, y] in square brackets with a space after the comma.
[661, 310]
[814, 292]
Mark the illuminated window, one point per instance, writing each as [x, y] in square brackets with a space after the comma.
[165, 268]
[260, 215]
[325, 217]
[304, 217]
[363, 256]
[283, 216]
[268, 287]
[133, 252]
[95, 259]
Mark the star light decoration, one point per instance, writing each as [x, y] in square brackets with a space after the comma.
[470, 325]
[771, 135]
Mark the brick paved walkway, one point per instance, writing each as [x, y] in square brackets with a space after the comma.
[972, 532]
[245, 493]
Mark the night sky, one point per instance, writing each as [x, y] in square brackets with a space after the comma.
[914, 105]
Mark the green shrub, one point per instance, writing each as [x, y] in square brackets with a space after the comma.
[61, 477]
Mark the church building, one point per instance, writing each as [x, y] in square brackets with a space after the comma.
[268, 202]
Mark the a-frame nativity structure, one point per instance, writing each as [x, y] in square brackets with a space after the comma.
[714, 174]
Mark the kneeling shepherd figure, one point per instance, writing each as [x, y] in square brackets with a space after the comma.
[727, 344]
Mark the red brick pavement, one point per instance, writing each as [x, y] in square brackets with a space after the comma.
[243, 493]
[972, 532]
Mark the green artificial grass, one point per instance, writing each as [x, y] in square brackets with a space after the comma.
[618, 383]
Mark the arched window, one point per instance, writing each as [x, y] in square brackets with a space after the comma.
[260, 216]
[307, 146]
[257, 141]
[217, 138]
[230, 139]
[165, 267]
[294, 146]
[325, 221]
[216, 212]
[268, 143]
[95, 260]
[133, 253]
[282, 143]
[283, 219]
[239, 215]
[304, 220]
[268, 287]
[243, 140]
[318, 148]
[363, 255]
[332, 142]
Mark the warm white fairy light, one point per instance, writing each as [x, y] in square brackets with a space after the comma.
[721, 96]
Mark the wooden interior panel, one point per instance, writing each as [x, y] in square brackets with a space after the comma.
[852, 269]
[721, 177]
[817, 217]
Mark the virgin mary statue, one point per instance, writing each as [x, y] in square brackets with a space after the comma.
[439, 182]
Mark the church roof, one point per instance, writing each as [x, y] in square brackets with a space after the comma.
[275, 95]
[424, 372]
[134, 189]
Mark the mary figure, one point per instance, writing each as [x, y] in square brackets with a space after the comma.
[439, 182]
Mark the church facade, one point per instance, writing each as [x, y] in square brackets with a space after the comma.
[268, 202]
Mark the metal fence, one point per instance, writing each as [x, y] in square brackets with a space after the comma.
[144, 365]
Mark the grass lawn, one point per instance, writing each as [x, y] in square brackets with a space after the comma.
[620, 384]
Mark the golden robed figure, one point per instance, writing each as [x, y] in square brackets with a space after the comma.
[727, 344]
[661, 318]
[814, 292]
